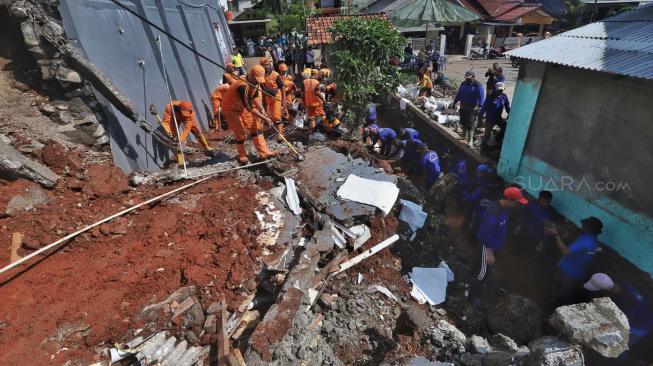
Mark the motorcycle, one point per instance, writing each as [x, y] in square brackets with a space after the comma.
[478, 53]
[514, 61]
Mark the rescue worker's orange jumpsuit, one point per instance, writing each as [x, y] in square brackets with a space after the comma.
[185, 115]
[237, 106]
[273, 104]
[314, 104]
[216, 102]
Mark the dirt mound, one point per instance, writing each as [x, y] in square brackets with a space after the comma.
[58, 157]
[105, 180]
[92, 291]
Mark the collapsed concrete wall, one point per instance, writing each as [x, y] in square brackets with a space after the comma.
[134, 55]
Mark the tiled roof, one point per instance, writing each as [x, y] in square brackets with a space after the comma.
[497, 7]
[317, 27]
[621, 45]
[517, 12]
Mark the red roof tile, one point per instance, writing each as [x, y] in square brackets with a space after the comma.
[317, 27]
[517, 12]
[497, 7]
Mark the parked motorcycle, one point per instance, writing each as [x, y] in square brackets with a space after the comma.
[514, 61]
[478, 53]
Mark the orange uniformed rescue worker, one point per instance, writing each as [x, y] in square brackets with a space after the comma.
[313, 100]
[275, 93]
[216, 101]
[231, 75]
[288, 86]
[185, 115]
[242, 108]
[324, 71]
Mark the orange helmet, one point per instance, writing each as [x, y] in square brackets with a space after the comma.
[186, 106]
[264, 61]
[315, 72]
[283, 67]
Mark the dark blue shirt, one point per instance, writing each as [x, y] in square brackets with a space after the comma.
[492, 81]
[411, 133]
[576, 264]
[474, 191]
[386, 135]
[371, 112]
[410, 150]
[532, 223]
[494, 106]
[637, 310]
[470, 94]
[494, 227]
[430, 165]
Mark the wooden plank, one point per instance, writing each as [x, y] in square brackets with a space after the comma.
[16, 241]
[223, 338]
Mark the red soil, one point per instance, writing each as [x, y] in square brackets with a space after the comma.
[92, 291]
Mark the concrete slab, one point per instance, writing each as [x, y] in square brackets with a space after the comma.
[323, 171]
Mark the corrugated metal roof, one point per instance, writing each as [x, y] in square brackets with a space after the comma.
[622, 44]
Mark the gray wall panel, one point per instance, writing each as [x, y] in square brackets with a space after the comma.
[115, 41]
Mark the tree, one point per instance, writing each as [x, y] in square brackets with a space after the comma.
[286, 16]
[574, 11]
[361, 59]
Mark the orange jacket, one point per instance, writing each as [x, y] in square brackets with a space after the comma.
[271, 83]
[233, 101]
[187, 118]
[289, 85]
[310, 93]
[216, 97]
[229, 78]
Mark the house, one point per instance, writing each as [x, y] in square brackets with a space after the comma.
[581, 126]
[502, 19]
[317, 27]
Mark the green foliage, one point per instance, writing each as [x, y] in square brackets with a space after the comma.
[285, 17]
[574, 15]
[361, 60]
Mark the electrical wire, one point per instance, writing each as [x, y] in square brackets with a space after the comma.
[183, 44]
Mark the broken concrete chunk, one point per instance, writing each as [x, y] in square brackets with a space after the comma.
[479, 344]
[14, 165]
[551, 351]
[503, 342]
[450, 331]
[32, 196]
[599, 325]
[211, 324]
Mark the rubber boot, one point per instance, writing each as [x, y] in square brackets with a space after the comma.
[180, 159]
[204, 143]
[262, 147]
[242, 153]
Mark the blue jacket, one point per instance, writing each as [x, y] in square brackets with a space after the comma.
[494, 106]
[410, 150]
[494, 227]
[430, 165]
[576, 264]
[470, 94]
[371, 112]
[411, 133]
[491, 82]
[474, 191]
[532, 223]
[386, 135]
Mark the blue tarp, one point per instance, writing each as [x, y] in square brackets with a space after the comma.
[125, 49]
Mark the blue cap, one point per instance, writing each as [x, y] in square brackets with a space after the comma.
[373, 127]
[483, 168]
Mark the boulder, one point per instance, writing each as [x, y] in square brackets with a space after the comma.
[551, 351]
[57, 156]
[14, 165]
[479, 344]
[599, 325]
[517, 317]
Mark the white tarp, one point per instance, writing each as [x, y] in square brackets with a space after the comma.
[369, 191]
[412, 214]
[429, 284]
